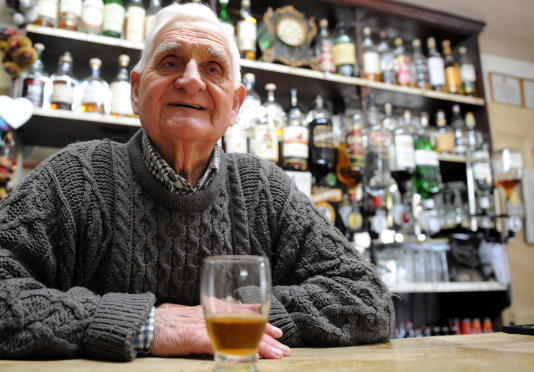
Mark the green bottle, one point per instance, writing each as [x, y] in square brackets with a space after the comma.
[427, 177]
[345, 52]
[113, 24]
[227, 24]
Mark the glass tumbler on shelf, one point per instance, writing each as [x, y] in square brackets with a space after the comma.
[236, 298]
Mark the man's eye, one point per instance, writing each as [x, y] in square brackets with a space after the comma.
[213, 70]
[170, 64]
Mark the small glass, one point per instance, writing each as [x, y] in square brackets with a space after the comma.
[236, 298]
[507, 169]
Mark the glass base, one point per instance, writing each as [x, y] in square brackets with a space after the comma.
[235, 363]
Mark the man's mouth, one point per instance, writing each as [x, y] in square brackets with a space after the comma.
[189, 106]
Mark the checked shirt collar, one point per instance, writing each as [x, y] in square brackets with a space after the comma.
[168, 177]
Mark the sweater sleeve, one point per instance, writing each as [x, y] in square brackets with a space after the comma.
[324, 292]
[42, 313]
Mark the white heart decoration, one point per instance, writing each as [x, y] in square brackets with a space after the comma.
[15, 112]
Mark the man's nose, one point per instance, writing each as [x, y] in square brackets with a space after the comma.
[191, 80]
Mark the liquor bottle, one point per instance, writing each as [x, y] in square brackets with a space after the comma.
[134, 22]
[401, 151]
[35, 82]
[47, 13]
[322, 152]
[401, 63]
[345, 52]
[246, 32]
[96, 95]
[421, 66]
[452, 70]
[153, 9]
[467, 73]
[70, 12]
[324, 49]
[296, 137]
[389, 122]
[424, 119]
[436, 66]
[93, 16]
[478, 158]
[427, 176]
[64, 84]
[113, 24]
[387, 69]
[120, 90]
[235, 139]
[376, 141]
[226, 24]
[351, 152]
[249, 110]
[371, 59]
[270, 118]
[445, 138]
[460, 132]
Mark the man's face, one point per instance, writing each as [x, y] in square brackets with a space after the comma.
[186, 91]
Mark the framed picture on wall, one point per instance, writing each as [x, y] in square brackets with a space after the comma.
[528, 93]
[505, 89]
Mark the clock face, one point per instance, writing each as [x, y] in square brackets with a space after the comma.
[291, 31]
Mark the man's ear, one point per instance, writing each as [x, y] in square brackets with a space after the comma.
[239, 98]
[135, 79]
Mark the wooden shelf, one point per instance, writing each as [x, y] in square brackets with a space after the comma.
[448, 287]
[308, 82]
[58, 128]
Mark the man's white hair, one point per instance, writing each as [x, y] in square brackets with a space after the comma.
[185, 12]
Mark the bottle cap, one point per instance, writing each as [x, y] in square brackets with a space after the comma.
[446, 44]
[323, 22]
[270, 86]
[319, 100]
[245, 2]
[223, 1]
[407, 114]
[416, 43]
[470, 120]
[388, 108]
[424, 119]
[367, 31]
[39, 47]
[398, 41]
[95, 63]
[431, 43]
[441, 121]
[462, 50]
[383, 34]
[124, 60]
[66, 57]
[249, 77]
[456, 109]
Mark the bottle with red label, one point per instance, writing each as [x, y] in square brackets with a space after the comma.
[324, 49]
[402, 63]
[350, 162]
[35, 82]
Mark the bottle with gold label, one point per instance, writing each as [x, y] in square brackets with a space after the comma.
[350, 155]
[120, 90]
[246, 32]
[95, 90]
[70, 12]
[48, 10]
[113, 23]
[324, 49]
[322, 152]
[270, 119]
[296, 135]
[371, 59]
[452, 70]
[64, 83]
[134, 24]
[153, 9]
[467, 73]
[345, 52]
[93, 16]
[445, 136]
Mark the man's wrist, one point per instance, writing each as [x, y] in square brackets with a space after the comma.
[144, 339]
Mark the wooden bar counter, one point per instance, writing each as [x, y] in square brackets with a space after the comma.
[484, 352]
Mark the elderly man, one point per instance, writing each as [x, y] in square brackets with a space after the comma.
[102, 232]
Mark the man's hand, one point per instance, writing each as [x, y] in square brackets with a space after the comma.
[181, 331]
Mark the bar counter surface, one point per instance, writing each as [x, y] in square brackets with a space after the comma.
[483, 352]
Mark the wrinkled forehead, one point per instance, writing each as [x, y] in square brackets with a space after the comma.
[185, 34]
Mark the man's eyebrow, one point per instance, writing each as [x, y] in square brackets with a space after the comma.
[166, 48]
[217, 54]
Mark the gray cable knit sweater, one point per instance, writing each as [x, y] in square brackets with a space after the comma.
[90, 240]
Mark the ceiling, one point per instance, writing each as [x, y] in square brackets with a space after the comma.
[509, 30]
